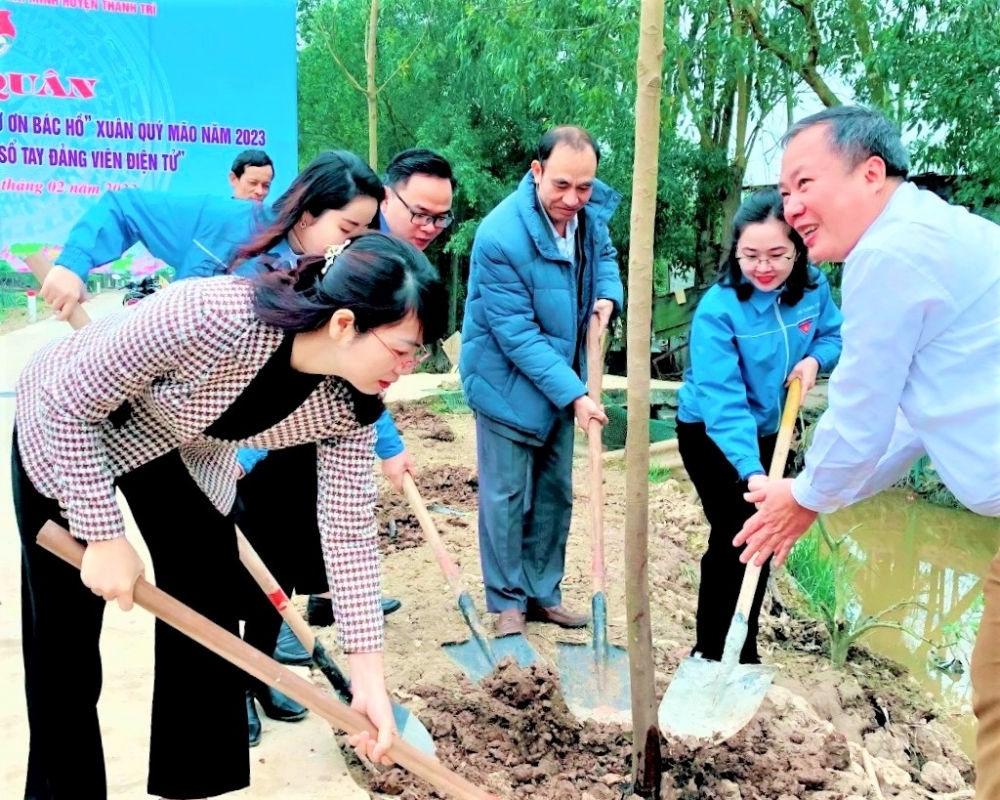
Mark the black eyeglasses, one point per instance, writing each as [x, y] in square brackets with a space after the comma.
[755, 261]
[439, 221]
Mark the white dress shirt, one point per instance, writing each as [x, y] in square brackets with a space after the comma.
[565, 244]
[920, 369]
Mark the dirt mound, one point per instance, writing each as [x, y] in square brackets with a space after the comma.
[416, 419]
[446, 487]
[516, 738]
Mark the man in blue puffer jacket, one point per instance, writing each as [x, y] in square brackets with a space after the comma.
[542, 264]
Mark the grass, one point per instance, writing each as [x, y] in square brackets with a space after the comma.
[824, 568]
[449, 402]
[659, 474]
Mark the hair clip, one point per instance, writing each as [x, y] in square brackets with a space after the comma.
[332, 252]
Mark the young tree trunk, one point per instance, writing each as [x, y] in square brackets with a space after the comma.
[646, 766]
[371, 90]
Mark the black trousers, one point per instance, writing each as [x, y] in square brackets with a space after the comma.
[276, 510]
[198, 741]
[721, 492]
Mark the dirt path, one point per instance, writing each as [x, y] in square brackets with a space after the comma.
[514, 734]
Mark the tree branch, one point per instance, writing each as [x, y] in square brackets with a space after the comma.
[876, 83]
[406, 60]
[329, 40]
[807, 71]
[805, 8]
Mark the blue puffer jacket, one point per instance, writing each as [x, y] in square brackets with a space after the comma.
[523, 318]
[196, 235]
[741, 354]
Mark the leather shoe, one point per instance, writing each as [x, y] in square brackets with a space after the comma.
[289, 649]
[558, 615]
[279, 707]
[319, 610]
[253, 721]
[510, 622]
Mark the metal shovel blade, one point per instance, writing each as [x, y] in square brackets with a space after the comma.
[477, 659]
[412, 730]
[596, 685]
[711, 700]
[595, 678]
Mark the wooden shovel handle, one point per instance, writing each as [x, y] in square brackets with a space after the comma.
[444, 559]
[792, 401]
[40, 267]
[57, 540]
[595, 377]
[270, 586]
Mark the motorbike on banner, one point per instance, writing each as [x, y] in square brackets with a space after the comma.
[136, 289]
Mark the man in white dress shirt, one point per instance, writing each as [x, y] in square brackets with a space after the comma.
[920, 370]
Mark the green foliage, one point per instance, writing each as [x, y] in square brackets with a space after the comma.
[824, 570]
[9, 300]
[924, 480]
[480, 80]
[449, 402]
[658, 474]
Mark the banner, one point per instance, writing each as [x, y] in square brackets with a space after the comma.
[99, 95]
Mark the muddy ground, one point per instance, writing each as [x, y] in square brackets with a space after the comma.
[822, 734]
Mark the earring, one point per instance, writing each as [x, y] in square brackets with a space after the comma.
[302, 223]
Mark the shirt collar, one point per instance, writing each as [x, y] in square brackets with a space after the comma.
[905, 194]
[761, 301]
[571, 226]
[284, 253]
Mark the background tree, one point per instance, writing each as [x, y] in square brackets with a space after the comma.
[480, 80]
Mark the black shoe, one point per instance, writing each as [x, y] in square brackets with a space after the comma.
[319, 610]
[289, 649]
[279, 707]
[253, 721]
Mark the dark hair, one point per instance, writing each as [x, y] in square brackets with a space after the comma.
[332, 180]
[380, 278]
[759, 207]
[857, 134]
[572, 135]
[418, 161]
[251, 158]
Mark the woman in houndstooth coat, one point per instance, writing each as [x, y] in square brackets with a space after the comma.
[155, 401]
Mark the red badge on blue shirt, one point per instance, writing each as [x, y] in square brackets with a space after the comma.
[805, 325]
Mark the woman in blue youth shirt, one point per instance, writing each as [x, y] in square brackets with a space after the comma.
[769, 318]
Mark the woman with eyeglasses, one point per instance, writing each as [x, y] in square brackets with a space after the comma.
[335, 197]
[155, 401]
[768, 319]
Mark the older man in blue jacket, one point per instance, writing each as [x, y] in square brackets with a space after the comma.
[542, 264]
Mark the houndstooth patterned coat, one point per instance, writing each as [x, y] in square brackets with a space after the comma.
[181, 357]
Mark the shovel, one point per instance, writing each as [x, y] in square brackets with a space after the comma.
[714, 699]
[410, 728]
[479, 656]
[57, 540]
[595, 677]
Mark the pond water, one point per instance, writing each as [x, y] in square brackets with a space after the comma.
[909, 549]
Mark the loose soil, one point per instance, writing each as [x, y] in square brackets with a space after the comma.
[821, 734]
[450, 488]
